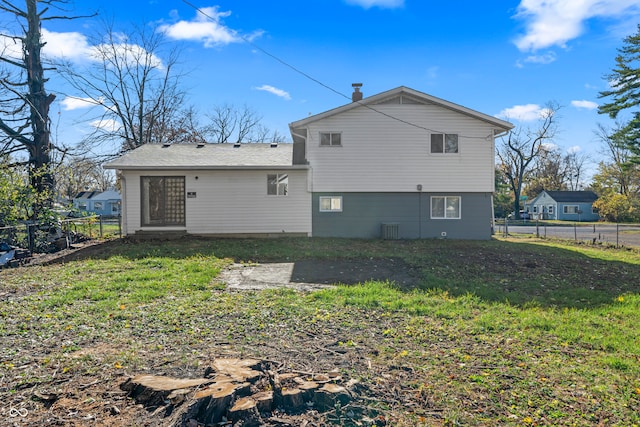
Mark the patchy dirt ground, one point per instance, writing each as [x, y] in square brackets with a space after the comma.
[57, 394]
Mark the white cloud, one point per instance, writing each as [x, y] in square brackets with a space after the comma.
[278, 92]
[207, 27]
[524, 113]
[574, 149]
[555, 22]
[71, 103]
[547, 58]
[587, 105]
[72, 46]
[382, 4]
[108, 125]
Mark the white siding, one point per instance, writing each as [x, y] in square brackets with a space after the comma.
[381, 154]
[230, 202]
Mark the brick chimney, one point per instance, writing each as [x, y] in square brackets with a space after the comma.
[356, 95]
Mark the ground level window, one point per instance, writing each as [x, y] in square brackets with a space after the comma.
[445, 207]
[277, 184]
[331, 204]
[570, 209]
[163, 200]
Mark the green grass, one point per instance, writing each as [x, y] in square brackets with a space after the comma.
[504, 332]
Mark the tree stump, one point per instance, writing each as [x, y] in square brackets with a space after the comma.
[240, 370]
[330, 394]
[215, 401]
[245, 409]
[264, 401]
[292, 399]
[152, 390]
[308, 390]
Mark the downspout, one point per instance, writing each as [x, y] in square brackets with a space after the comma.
[123, 203]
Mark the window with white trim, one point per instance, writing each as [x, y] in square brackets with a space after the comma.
[550, 209]
[570, 209]
[330, 203]
[277, 184]
[330, 139]
[444, 143]
[445, 207]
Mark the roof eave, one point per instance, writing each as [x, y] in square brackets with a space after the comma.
[200, 167]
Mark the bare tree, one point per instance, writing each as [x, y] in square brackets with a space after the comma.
[24, 101]
[616, 174]
[80, 174]
[521, 147]
[231, 124]
[137, 91]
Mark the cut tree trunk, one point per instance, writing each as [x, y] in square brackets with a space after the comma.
[330, 394]
[245, 409]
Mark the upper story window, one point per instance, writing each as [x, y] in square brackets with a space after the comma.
[330, 139]
[277, 184]
[444, 143]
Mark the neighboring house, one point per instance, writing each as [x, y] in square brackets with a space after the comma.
[564, 205]
[105, 203]
[399, 164]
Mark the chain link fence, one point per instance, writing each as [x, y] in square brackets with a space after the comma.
[50, 237]
[617, 235]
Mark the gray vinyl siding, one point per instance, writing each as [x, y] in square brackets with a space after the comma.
[363, 214]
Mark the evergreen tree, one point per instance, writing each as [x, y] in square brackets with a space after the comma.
[624, 81]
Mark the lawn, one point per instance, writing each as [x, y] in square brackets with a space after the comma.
[517, 332]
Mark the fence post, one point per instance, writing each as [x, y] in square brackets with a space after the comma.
[100, 218]
[31, 238]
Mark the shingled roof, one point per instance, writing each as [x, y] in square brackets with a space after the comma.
[573, 196]
[207, 156]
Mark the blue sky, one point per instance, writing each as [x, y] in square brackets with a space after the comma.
[504, 58]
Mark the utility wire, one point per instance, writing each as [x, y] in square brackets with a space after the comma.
[313, 79]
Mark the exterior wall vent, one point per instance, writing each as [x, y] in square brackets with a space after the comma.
[390, 231]
[236, 145]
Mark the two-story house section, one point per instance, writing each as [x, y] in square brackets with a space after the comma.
[399, 164]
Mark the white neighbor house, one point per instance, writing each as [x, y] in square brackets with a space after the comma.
[399, 164]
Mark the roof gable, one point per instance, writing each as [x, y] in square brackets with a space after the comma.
[404, 95]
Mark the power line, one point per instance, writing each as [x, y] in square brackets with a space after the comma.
[313, 79]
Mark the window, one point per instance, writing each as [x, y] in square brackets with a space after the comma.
[330, 203]
[444, 143]
[277, 184]
[330, 139]
[550, 209]
[163, 200]
[570, 209]
[97, 206]
[535, 209]
[445, 207]
[115, 207]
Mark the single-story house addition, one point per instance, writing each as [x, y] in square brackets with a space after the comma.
[399, 164]
[564, 205]
[105, 203]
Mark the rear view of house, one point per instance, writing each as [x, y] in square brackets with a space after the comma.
[398, 165]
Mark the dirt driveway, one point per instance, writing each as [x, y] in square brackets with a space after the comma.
[309, 275]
